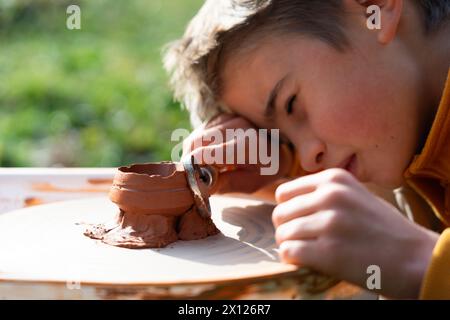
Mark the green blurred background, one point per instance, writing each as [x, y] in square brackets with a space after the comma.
[91, 97]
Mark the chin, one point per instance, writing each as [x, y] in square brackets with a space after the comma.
[390, 182]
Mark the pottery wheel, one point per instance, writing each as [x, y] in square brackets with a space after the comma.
[46, 243]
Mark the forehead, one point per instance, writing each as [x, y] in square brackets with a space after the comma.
[248, 77]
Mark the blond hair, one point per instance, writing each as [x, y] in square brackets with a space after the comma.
[224, 26]
[186, 58]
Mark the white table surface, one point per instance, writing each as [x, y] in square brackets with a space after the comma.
[22, 187]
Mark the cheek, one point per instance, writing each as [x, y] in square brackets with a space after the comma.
[360, 107]
[350, 120]
[372, 124]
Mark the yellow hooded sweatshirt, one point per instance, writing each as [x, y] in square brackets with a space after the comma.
[429, 176]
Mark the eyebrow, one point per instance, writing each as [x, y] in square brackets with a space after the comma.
[269, 111]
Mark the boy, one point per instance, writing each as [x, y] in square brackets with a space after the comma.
[358, 105]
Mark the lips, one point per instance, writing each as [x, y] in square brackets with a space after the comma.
[350, 164]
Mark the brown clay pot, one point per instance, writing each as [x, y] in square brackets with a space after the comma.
[156, 208]
[152, 188]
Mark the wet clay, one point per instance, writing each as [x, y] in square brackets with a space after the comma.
[156, 208]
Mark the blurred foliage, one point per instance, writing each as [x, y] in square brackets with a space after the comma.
[91, 97]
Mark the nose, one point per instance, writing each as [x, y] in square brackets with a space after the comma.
[311, 153]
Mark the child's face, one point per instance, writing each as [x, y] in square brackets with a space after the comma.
[364, 102]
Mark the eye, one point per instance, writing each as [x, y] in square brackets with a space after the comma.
[290, 104]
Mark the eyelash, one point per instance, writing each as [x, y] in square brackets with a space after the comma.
[290, 104]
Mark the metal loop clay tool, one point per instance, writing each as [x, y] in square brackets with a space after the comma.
[195, 173]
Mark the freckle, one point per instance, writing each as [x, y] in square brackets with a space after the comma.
[376, 146]
[392, 137]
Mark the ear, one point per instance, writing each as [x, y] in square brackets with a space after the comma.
[391, 11]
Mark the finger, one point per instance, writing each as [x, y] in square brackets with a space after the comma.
[303, 228]
[214, 135]
[202, 138]
[229, 122]
[194, 139]
[299, 252]
[220, 118]
[227, 154]
[297, 187]
[296, 207]
[310, 183]
[210, 155]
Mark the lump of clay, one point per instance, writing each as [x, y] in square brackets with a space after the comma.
[156, 208]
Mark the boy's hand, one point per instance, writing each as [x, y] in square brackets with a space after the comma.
[241, 177]
[331, 222]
